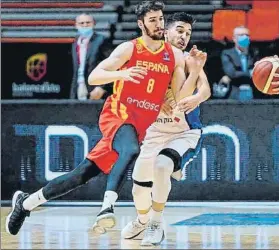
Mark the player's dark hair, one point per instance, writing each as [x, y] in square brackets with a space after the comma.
[179, 17]
[144, 7]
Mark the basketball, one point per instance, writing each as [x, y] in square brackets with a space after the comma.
[266, 71]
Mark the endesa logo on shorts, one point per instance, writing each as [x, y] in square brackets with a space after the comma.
[143, 104]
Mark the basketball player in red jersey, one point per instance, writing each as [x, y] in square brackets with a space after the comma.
[142, 70]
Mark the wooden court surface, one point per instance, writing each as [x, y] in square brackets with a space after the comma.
[197, 227]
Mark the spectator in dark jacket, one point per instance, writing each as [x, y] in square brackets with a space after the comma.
[238, 63]
[88, 50]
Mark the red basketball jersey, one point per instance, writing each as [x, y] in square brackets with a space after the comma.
[141, 102]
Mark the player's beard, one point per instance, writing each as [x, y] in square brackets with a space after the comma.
[153, 36]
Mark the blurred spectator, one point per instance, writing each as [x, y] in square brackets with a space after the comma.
[237, 64]
[88, 50]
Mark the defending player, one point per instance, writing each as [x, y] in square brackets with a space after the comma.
[142, 70]
[170, 138]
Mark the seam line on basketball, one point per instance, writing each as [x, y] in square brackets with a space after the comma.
[268, 83]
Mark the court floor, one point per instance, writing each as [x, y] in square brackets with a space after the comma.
[197, 225]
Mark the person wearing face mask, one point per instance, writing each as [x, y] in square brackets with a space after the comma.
[237, 64]
[88, 50]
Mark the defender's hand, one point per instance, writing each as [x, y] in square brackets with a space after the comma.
[195, 61]
[189, 103]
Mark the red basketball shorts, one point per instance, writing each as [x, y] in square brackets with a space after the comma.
[110, 121]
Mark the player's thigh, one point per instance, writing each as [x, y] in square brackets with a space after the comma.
[184, 142]
[120, 143]
[183, 148]
[103, 155]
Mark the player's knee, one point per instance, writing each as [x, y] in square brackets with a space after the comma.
[84, 177]
[142, 194]
[163, 165]
[170, 157]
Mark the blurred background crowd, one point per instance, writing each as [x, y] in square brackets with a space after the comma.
[50, 48]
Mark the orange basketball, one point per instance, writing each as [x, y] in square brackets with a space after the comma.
[266, 71]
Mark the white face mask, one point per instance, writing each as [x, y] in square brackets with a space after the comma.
[85, 31]
[243, 41]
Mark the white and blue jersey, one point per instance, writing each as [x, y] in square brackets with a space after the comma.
[179, 131]
[179, 121]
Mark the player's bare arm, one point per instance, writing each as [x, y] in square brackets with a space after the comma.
[108, 70]
[181, 87]
[189, 103]
[203, 87]
[179, 76]
[195, 62]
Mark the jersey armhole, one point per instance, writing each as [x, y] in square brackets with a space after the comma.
[134, 44]
[170, 50]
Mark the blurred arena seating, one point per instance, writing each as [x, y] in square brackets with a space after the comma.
[202, 11]
[258, 17]
[262, 25]
[54, 21]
